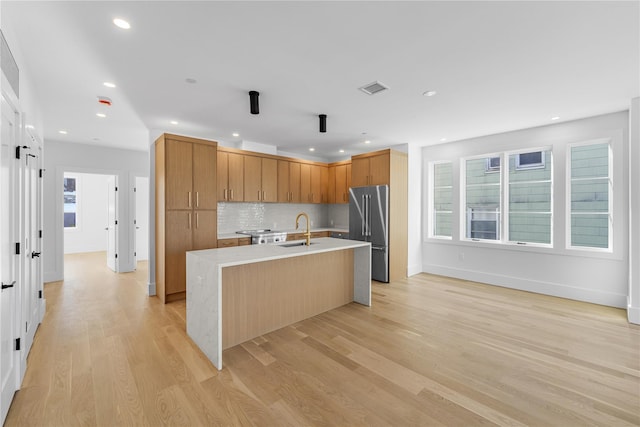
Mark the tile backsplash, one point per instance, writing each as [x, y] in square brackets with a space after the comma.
[233, 217]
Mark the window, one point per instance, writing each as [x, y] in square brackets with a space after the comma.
[590, 195]
[493, 164]
[534, 160]
[530, 197]
[482, 198]
[442, 200]
[70, 202]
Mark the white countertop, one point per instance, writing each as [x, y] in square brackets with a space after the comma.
[238, 255]
[289, 231]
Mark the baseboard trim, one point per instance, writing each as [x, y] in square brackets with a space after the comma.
[151, 287]
[412, 270]
[52, 276]
[546, 288]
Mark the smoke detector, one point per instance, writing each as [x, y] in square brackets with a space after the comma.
[373, 88]
[104, 100]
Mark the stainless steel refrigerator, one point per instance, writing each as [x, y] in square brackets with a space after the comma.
[369, 222]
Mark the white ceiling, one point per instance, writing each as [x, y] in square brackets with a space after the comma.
[496, 66]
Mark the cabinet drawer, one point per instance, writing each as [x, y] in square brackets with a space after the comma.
[227, 243]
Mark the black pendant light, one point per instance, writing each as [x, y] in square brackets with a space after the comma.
[323, 123]
[253, 101]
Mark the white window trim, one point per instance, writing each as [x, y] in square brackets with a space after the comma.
[568, 197]
[431, 201]
[78, 202]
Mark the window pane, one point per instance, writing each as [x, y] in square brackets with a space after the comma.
[482, 198]
[590, 194]
[530, 204]
[590, 230]
[442, 199]
[530, 227]
[70, 203]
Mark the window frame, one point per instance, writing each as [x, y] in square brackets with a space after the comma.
[610, 196]
[507, 194]
[463, 198]
[77, 202]
[431, 200]
[539, 165]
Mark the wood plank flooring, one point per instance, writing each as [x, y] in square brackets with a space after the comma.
[430, 351]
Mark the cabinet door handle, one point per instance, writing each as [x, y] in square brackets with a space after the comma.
[258, 194]
[263, 195]
[189, 194]
[189, 220]
[197, 220]
[224, 196]
[197, 199]
[230, 194]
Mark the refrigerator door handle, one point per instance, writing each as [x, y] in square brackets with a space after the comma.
[369, 215]
[364, 215]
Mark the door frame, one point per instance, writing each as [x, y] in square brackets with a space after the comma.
[59, 208]
[134, 214]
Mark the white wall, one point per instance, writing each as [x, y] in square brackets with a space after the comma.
[64, 156]
[89, 235]
[414, 242]
[587, 276]
[633, 303]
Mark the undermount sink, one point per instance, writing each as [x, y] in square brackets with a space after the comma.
[294, 244]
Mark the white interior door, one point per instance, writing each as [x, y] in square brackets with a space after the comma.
[142, 219]
[31, 253]
[112, 223]
[8, 295]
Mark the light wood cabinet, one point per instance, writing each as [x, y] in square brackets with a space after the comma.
[339, 182]
[260, 179]
[312, 178]
[186, 203]
[230, 177]
[370, 169]
[288, 181]
[235, 241]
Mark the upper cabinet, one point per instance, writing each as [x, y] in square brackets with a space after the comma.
[230, 177]
[370, 169]
[313, 183]
[339, 182]
[288, 181]
[190, 178]
[260, 179]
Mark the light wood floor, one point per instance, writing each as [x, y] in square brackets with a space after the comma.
[430, 351]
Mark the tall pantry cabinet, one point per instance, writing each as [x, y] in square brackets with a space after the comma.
[186, 203]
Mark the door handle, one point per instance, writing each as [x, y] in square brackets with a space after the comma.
[35, 254]
[8, 286]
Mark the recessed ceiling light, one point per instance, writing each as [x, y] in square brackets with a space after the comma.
[555, 118]
[63, 132]
[367, 142]
[173, 122]
[429, 93]
[341, 151]
[29, 127]
[101, 115]
[109, 84]
[121, 23]
[95, 139]
[190, 80]
[443, 139]
[235, 134]
[312, 149]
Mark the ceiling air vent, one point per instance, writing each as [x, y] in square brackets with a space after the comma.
[373, 88]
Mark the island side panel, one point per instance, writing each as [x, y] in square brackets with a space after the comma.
[203, 307]
[261, 297]
[362, 275]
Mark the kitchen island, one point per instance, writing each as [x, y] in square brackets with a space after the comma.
[239, 293]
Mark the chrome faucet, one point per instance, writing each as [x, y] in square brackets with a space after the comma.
[308, 233]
